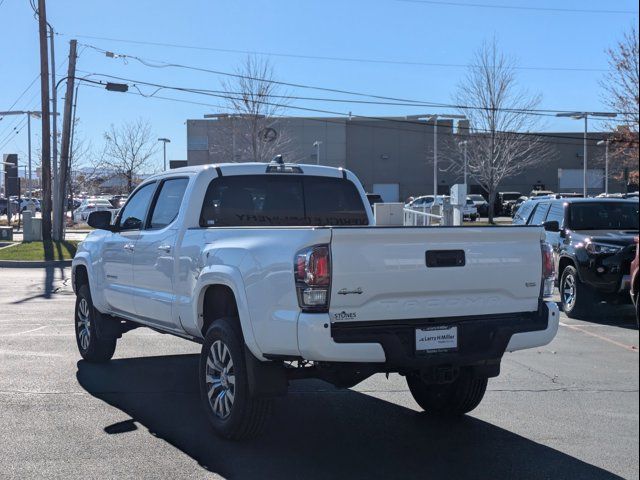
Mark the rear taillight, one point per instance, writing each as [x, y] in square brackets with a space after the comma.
[548, 269]
[312, 271]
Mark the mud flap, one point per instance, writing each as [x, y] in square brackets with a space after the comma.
[266, 379]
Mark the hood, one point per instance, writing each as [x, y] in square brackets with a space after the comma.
[612, 237]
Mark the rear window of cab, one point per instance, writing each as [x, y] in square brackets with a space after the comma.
[282, 200]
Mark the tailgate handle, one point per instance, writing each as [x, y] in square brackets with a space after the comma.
[445, 258]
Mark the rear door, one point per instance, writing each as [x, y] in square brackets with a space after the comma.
[414, 273]
[154, 257]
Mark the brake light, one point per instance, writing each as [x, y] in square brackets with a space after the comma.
[312, 271]
[548, 270]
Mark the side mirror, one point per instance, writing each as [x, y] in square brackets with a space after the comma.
[101, 220]
[551, 226]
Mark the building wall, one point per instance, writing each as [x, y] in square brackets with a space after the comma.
[397, 151]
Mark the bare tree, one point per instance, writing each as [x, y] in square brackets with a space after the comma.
[253, 130]
[128, 150]
[621, 94]
[499, 145]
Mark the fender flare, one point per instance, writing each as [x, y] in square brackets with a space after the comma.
[229, 277]
[83, 259]
[573, 261]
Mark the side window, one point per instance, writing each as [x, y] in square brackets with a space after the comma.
[539, 214]
[133, 213]
[522, 214]
[168, 202]
[556, 212]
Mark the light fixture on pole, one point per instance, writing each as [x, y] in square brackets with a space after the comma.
[317, 144]
[585, 116]
[605, 142]
[435, 117]
[164, 150]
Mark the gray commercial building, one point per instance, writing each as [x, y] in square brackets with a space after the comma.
[394, 156]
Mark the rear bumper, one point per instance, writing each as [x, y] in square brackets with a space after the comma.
[392, 343]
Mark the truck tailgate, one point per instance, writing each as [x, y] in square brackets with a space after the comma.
[381, 273]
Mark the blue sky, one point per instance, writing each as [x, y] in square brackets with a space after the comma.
[375, 30]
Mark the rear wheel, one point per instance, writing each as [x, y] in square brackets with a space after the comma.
[451, 399]
[94, 344]
[577, 298]
[224, 386]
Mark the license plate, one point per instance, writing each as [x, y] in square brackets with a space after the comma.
[436, 339]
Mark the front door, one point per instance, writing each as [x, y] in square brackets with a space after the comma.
[154, 258]
[119, 249]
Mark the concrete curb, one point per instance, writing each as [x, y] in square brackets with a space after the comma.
[34, 264]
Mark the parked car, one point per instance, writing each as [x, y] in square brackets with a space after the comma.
[88, 205]
[540, 193]
[593, 243]
[4, 206]
[635, 282]
[482, 206]
[469, 210]
[504, 203]
[24, 204]
[280, 273]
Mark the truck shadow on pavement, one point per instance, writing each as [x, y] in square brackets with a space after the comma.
[319, 432]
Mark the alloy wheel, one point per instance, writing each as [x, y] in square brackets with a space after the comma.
[84, 324]
[569, 291]
[220, 379]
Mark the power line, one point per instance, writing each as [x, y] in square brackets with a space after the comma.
[329, 112]
[578, 139]
[516, 7]
[161, 64]
[329, 58]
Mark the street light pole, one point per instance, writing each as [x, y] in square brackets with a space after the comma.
[317, 144]
[28, 113]
[585, 116]
[464, 142]
[606, 164]
[164, 150]
[29, 153]
[435, 118]
[585, 152]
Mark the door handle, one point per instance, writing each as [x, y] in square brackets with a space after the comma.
[164, 248]
[129, 247]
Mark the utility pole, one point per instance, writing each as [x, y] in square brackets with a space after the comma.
[46, 128]
[66, 142]
[54, 134]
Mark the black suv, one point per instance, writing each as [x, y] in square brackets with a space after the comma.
[593, 244]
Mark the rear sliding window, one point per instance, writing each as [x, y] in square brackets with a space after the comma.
[281, 200]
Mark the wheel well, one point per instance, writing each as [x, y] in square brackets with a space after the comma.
[219, 301]
[564, 263]
[81, 277]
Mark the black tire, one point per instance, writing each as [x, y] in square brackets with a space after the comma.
[93, 343]
[579, 303]
[245, 416]
[450, 399]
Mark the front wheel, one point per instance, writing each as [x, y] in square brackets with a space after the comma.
[577, 299]
[224, 386]
[95, 345]
[450, 399]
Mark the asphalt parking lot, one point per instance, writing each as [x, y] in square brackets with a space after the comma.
[568, 410]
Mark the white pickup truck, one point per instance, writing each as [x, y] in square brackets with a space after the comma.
[280, 273]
